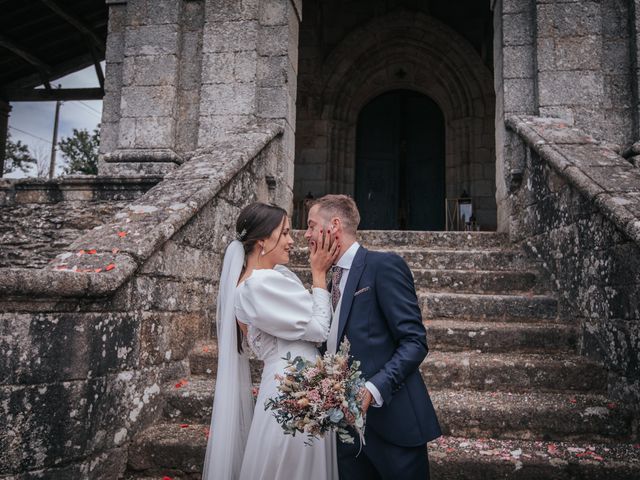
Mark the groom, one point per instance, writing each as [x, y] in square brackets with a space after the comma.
[376, 308]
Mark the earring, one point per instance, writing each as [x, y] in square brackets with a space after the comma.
[263, 252]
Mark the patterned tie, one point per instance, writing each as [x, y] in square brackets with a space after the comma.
[336, 275]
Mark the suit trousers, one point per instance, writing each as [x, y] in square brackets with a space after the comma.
[381, 460]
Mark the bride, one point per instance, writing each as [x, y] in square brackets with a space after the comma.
[263, 305]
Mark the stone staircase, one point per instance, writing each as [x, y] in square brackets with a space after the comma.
[514, 398]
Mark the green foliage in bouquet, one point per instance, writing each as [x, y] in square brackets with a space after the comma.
[320, 396]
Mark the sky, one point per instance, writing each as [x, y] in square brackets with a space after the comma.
[32, 122]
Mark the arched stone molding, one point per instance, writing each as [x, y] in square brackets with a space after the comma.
[409, 50]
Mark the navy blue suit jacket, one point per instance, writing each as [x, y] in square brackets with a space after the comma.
[384, 325]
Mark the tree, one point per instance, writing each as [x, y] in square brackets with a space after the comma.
[81, 152]
[42, 156]
[17, 157]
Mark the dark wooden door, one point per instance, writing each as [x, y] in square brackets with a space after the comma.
[400, 175]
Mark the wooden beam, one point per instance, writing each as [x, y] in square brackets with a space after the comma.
[77, 23]
[44, 95]
[25, 54]
[98, 67]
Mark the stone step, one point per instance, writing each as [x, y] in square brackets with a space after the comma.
[532, 416]
[203, 360]
[432, 259]
[457, 335]
[464, 385]
[512, 372]
[517, 308]
[376, 239]
[459, 281]
[191, 403]
[169, 449]
[460, 458]
[177, 451]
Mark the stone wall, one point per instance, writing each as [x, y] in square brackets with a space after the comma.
[87, 342]
[578, 210]
[569, 59]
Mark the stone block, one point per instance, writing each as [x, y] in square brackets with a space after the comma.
[578, 53]
[155, 132]
[570, 88]
[273, 41]
[156, 70]
[615, 57]
[166, 337]
[230, 36]
[191, 61]
[113, 79]
[94, 344]
[151, 40]
[516, 6]
[274, 12]
[519, 96]
[223, 99]
[169, 295]
[183, 262]
[273, 102]
[214, 127]
[245, 66]
[517, 29]
[126, 133]
[578, 18]
[148, 101]
[228, 10]
[273, 71]
[193, 16]
[218, 67]
[115, 47]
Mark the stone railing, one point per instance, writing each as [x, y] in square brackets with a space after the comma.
[576, 206]
[87, 341]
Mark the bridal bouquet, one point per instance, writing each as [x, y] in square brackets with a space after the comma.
[320, 396]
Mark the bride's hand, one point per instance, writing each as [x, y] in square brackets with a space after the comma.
[323, 254]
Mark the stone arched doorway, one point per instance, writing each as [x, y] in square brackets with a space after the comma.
[400, 163]
[398, 51]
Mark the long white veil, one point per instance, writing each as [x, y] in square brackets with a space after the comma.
[233, 401]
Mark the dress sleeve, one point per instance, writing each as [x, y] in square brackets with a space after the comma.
[279, 305]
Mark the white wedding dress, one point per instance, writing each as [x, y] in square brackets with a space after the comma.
[282, 316]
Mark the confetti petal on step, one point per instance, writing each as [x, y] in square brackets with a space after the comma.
[115, 250]
[184, 425]
[122, 234]
[93, 251]
[111, 266]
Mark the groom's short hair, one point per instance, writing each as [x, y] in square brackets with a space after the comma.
[343, 207]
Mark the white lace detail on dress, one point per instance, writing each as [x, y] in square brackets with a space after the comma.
[261, 344]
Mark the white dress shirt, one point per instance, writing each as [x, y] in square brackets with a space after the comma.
[345, 262]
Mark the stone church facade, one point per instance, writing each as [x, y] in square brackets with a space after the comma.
[529, 107]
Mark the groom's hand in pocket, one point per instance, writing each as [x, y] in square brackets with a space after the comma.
[366, 399]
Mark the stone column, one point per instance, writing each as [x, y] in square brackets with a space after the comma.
[143, 87]
[515, 87]
[5, 108]
[249, 74]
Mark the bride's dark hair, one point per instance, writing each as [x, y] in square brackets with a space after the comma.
[256, 222]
